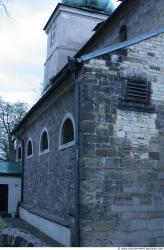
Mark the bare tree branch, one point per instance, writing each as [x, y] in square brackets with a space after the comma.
[3, 5]
[10, 115]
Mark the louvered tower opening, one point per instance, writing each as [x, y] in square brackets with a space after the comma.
[138, 92]
[136, 95]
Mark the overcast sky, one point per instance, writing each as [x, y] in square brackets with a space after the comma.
[23, 48]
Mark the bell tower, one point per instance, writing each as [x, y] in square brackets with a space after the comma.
[68, 29]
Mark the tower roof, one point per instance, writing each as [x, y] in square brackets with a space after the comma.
[102, 5]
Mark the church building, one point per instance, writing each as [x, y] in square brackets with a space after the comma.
[92, 147]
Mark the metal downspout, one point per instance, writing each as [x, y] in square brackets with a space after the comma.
[72, 67]
[22, 175]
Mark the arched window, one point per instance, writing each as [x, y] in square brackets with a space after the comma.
[123, 34]
[29, 148]
[67, 132]
[19, 153]
[44, 142]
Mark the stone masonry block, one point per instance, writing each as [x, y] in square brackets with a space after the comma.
[154, 156]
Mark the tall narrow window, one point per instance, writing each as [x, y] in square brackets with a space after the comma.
[123, 34]
[29, 148]
[67, 132]
[53, 36]
[44, 142]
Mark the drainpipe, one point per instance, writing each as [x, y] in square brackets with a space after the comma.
[72, 68]
[22, 175]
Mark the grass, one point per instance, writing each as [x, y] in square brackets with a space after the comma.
[3, 224]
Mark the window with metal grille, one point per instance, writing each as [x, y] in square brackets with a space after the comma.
[138, 92]
[136, 95]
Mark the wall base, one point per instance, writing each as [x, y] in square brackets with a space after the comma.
[51, 229]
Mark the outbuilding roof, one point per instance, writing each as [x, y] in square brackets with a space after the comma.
[10, 169]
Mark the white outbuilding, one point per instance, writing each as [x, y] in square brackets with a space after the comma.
[10, 187]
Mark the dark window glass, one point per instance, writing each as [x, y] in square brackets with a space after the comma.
[19, 153]
[44, 141]
[68, 131]
[123, 34]
[29, 148]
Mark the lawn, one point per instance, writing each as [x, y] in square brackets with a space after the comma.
[3, 224]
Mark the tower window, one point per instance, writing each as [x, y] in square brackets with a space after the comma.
[123, 34]
[53, 36]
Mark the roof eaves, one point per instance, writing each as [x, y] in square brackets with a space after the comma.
[10, 168]
[55, 82]
[10, 175]
[102, 26]
[57, 79]
[75, 7]
[121, 45]
[49, 20]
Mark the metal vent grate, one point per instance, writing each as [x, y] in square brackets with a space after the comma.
[136, 95]
[138, 92]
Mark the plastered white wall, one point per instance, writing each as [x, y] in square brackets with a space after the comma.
[14, 191]
[53, 230]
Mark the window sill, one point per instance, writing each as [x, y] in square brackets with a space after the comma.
[135, 107]
[44, 152]
[67, 145]
[18, 160]
[29, 157]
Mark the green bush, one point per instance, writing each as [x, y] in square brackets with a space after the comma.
[3, 224]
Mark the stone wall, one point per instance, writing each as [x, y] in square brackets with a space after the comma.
[136, 15]
[122, 162]
[49, 178]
